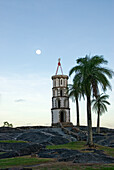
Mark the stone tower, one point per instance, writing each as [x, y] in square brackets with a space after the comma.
[60, 100]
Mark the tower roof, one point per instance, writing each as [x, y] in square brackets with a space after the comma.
[59, 65]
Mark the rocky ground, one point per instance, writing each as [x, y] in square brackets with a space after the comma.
[38, 137]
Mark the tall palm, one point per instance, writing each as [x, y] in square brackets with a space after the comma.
[99, 106]
[74, 92]
[90, 74]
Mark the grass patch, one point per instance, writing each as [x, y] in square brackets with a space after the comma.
[22, 161]
[13, 141]
[79, 145]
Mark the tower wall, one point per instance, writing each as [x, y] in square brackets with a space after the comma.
[60, 100]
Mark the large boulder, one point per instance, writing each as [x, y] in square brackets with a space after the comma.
[92, 158]
[57, 153]
[12, 146]
[108, 141]
[33, 148]
[43, 137]
[30, 149]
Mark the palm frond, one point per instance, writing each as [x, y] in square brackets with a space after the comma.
[100, 103]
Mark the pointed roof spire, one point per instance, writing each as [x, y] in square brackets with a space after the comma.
[59, 65]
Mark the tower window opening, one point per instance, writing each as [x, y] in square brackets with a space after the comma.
[52, 103]
[53, 92]
[59, 103]
[61, 82]
[61, 93]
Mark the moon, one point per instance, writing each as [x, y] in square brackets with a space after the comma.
[38, 52]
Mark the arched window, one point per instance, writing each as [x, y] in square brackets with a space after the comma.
[61, 93]
[59, 103]
[53, 103]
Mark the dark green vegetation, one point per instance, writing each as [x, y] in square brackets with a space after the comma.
[6, 124]
[72, 145]
[12, 141]
[21, 161]
[82, 145]
[89, 74]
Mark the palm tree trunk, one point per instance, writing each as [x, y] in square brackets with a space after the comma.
[77, 111]
[89, 122]
[98, 123]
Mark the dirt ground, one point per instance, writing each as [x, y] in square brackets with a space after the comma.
[70, 166]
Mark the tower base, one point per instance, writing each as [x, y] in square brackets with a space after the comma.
[64, 124]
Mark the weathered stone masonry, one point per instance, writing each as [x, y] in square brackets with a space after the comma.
[60, 100]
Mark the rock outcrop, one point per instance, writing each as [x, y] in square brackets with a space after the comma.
[37, 139]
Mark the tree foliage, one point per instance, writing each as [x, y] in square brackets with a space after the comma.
[90, 74]
[6, 124]
[99, 106]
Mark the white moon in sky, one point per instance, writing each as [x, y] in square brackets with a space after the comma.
[38, 52]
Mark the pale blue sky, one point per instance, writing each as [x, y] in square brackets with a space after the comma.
[59, 28]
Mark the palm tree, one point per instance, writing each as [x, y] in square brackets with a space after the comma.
[74, 92]
[90, 74]
[99, 106]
